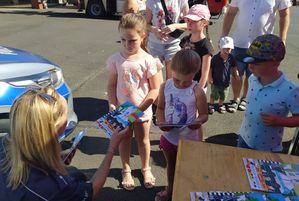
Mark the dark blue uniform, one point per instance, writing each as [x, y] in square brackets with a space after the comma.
[43, 185]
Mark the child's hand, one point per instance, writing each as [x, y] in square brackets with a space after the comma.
[168, 29]
[269, 119]
[195, 125]
[210, 80]
[159, 34]
[112, 107]
[118, 136]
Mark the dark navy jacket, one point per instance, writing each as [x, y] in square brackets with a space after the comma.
[221, 70]
[42, 186]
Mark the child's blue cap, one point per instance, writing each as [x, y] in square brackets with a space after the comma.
[267, 47]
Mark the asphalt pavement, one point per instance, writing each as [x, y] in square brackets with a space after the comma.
[81, 46]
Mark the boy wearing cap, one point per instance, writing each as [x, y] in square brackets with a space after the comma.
[223, 65]
[270, 96]
[197, 19]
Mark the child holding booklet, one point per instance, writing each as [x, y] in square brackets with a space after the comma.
[133, 76]
[181, 101]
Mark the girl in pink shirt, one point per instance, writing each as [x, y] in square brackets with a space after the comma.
[133, 76]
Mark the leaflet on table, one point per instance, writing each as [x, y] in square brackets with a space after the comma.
[270, 176]
[78, 137]
[119, 118]
[239, 196]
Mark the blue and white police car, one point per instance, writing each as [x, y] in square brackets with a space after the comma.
[21, 70]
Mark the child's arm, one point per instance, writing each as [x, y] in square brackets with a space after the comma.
[154, 83]
[161, 106]
[235, 72]
[206, 62]
[202, 108]
[160, 112]
[210, 78]
[111, 90]
[273, 120]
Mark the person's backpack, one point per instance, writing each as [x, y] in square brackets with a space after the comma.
[216, 7]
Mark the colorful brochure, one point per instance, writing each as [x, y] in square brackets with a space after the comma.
[239, 196]
[119, 118]
[270, 176]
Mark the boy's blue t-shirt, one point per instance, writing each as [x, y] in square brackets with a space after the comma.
[43, 186]
[278, 98]
[221, 70]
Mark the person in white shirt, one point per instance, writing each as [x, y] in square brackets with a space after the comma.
[254, 18]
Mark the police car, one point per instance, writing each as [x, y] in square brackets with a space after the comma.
[21, 70]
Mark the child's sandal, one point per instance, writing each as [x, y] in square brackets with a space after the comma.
[148, 178]
[127, 180]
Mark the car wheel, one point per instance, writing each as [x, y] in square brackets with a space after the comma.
[95, 9]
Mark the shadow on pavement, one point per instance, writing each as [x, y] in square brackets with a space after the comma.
[90, 109]
[117, 194]
[231, 139]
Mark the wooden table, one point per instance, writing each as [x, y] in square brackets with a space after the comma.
[209, 167]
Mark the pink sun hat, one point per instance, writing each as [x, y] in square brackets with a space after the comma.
[198, 12]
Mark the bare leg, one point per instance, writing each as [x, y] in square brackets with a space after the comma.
[236, 86]
[212, 100]
[141, 130]
[170, 157]
[245, 87]
[168, 69]
[221, 102]
[125, 151]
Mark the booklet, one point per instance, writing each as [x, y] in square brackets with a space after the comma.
[172, 125]
[79, 136]
[119, 118]
[270, 176]
[239, 196]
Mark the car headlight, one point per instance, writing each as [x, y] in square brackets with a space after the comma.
[3, 88]
[56, 77]
[52, 78]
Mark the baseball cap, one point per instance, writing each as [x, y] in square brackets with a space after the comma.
[198, 12]
[226, 42]
[266, 47]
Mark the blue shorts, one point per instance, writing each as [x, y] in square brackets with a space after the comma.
[164, 51]
[242, 67]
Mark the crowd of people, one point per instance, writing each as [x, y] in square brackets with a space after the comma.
[31, 167]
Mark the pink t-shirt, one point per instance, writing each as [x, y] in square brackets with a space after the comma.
[133, 78]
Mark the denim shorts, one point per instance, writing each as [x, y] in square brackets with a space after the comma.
[164, 51]
[242, 67]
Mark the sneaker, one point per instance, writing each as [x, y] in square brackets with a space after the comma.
[242, 104]
[232, 106]
[221, 109]
[211, 109]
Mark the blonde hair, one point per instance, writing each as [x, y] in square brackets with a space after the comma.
[33, 136]
[186, 61]
[137, 22]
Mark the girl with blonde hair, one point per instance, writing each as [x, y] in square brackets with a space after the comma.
[31, 167]
[134, 76]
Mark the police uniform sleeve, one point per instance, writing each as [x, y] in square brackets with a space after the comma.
[75, 191]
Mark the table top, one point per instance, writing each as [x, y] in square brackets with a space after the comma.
[203, 167]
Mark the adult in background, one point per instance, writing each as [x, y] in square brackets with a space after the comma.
[254, 18]
[134, 6]
[161, 44]
[31, 167]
